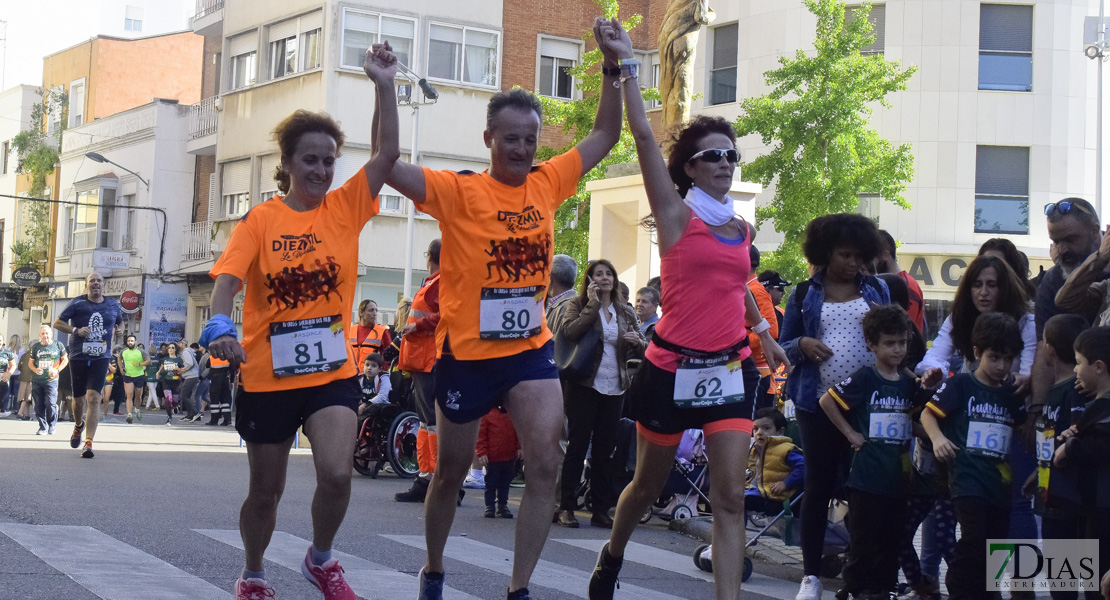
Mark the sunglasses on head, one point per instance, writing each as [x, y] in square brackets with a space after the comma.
[1064, 207]
[714, 155]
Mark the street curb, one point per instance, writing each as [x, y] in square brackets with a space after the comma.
[701, 528]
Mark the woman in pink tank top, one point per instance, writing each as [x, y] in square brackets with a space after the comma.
[698, 372]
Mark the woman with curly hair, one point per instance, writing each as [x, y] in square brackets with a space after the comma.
[822, 335]
[697, 370]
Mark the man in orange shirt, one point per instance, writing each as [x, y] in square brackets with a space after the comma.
[765, 396]
[493, 342]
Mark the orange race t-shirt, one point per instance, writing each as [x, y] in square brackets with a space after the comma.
[498, 242]
[299, 270]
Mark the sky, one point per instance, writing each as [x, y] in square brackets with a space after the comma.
[37, 28]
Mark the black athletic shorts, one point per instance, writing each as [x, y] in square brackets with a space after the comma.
[139, 381]
[273, 417]
[88, 375]
[468, 389]
[652, 401]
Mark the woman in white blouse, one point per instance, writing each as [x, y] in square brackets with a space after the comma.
[594, 401]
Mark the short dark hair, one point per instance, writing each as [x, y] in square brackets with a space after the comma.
[899, 291]
[828, 232]
[623, 287]
[651, 293]
[1084, 213]
[685, 145]
[776, 417]
[753, 256]
[514, 98]
[289, 132]
[376, 358]
[433, 250]
[1060, 333]
[888, 319]
[888, 242]
[657, 283]
[999, 332]
[1094, 345]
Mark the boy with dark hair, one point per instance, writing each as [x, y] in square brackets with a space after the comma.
[970, 422]
[775, 464]
[375, 385]
[1055, 491]
[1086, 449]
[871, 408]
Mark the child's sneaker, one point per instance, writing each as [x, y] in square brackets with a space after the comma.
[252, 589]
[504, 513]
[328, 578]
[473, 482]
[490, 512]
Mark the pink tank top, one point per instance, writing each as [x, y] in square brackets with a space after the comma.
[704, 291]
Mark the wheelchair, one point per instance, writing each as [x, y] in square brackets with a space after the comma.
[388, 437]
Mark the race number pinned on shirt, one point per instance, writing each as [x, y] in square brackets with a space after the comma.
[94, 349]
[893, 426]
[1045, 446]
[511, 313]
[700, 382]
[308, 346]
[988, 439]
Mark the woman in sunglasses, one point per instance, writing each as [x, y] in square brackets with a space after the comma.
[698, 371]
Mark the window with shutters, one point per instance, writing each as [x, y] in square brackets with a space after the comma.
[235, 191]
[1006, 47]
[363, 28]
[243, 66]
[267, 185]
[722, 74]
[877, 17]
[1002, 189]
[463, 54]
[557, 58]
[294, 45]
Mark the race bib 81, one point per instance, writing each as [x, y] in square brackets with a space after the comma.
[308, 346]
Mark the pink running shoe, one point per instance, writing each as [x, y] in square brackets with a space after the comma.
[328, 578]
[252, 589]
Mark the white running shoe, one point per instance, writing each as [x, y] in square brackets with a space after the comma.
[474, 483]
[811, 588]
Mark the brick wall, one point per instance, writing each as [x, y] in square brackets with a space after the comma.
[130, 73]
[206, 165]
[210, 79]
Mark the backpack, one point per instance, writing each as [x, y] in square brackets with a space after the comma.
[802, 289]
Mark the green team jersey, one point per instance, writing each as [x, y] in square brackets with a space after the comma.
[979, 420]
[152, 368]
[44, 356]
[130, 356]
[1057, 489]
[7, 359]
[168, 373]
[879, 409]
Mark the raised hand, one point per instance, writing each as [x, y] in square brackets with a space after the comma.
[380, 64]
[612, 39]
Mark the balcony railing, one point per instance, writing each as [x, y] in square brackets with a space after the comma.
[207, 7]
[203, 118]
[198, 241]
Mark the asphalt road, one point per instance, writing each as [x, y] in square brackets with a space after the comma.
[155, 515]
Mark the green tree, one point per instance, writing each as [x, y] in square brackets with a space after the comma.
[37, 152]
[823, 154]
[576, 117]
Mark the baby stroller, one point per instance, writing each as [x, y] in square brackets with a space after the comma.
[688, 482]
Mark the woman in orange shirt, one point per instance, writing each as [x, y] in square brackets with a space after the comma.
[297, 368]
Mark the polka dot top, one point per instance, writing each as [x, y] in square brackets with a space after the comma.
[842, 331]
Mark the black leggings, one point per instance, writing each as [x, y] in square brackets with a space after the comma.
[827, 458]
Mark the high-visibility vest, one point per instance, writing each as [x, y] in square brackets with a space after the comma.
[418, 349]
[372, 343]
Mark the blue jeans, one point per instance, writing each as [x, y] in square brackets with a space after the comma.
[45, 395]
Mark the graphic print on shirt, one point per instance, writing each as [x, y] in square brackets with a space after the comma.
[294, 286]
[518, 256]
[293, 247]
[525, 220]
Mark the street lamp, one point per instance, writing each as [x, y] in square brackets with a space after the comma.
[93, 156]
[407, 96]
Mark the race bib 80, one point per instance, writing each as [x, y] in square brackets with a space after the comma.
[511, 313]
[308, 346]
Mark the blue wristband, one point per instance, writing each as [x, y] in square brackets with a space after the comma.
[217, 327]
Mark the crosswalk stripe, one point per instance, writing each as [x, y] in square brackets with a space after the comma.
[683, 564]
[107, 567]
[367, 579]
[547, 574]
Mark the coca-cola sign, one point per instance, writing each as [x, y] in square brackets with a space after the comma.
[26, 276]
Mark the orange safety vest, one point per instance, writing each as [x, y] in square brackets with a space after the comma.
[372, 343]
[418, 349]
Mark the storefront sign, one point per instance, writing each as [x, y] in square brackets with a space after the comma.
[26, 276]
[11, 296]
[940, 274]
[116, 286]
[102, 259]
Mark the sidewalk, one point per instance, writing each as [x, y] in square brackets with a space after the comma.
[115, 435]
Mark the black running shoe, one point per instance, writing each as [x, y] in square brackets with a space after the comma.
[603, 581]
[87, 452]
[75, 439]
